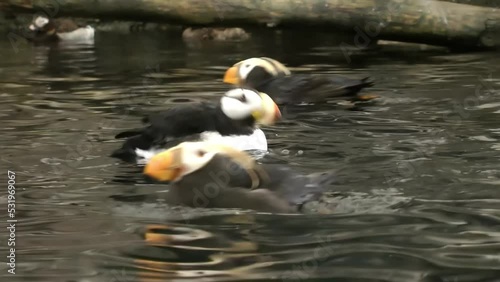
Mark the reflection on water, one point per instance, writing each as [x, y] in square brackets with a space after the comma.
[416, 197]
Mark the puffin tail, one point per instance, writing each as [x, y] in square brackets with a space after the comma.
[123, 154]
[363, 83]
[129, 133]
[318, 182]
[357, 85]
[324, 178]
[367, 82]
[127, 152]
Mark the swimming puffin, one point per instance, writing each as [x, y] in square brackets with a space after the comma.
[272, 77]
[52, 30]
[215, 34]
[233, 121]
[210, 175]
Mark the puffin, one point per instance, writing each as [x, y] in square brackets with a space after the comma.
[211, 175]
[272, 77]
[215, 34]
[233, 121]
[53, 30]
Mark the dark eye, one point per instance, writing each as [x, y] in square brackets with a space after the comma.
[200, 153]
[242, 99]
[247, 65]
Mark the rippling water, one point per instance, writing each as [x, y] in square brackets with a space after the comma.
[417, 196]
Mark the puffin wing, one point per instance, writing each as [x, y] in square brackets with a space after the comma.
[181, 121]
[65, 25]
[163, 127]
[323, 178]
[294, 187]
[262, 200]
[311, 89]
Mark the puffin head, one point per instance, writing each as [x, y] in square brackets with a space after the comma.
[41, 24]
[254, 71]
[241, 103]
[188, 158]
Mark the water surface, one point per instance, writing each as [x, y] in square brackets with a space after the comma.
[417, 196]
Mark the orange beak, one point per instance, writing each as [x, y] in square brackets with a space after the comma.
[165, 166]
[276, 113]
[270, 113]
[231, 76]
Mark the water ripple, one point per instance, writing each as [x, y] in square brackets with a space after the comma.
[415, 199]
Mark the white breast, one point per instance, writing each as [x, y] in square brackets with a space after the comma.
[143, 156]
[255, 142]
[84, 34]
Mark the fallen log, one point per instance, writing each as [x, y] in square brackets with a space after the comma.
[485, 3]
[421, 21]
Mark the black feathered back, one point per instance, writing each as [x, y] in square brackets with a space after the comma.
[223, 183]
[179, 123]
[302, 88]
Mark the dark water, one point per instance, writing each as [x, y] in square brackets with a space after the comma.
[417, 199]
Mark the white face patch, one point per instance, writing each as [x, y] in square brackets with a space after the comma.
[39, 23]
[246, 66]
[279, 67]
[271, 66]
[240, 103]
[194, 156]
